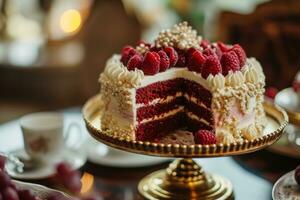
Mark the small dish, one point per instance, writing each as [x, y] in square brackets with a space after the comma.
[75, 158]
[40, 191]
[286, 188]
[287, 145]
[101, 154]
[289, 100]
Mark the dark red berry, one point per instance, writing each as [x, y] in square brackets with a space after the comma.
[296, 86]
[212, 66]
[205, 137]
[63, 169]
[196, 61]
[204, 44]
[73, 182]
[239, 51]
[181, 59]
[190, 51]
[26, 195]
[154, 48]
[10, 194]
[135, 62]
[151, 62]
[229, 62]
[297, 174]
[127, 53]
[223, 47]
[218, 52]
[271, 92]
[209, 52]
[2, 162]
[164, 61]
[4, 179]
[172, 54]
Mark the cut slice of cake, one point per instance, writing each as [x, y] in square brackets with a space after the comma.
[182, 81]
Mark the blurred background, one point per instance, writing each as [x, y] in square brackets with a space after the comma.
[52, 51]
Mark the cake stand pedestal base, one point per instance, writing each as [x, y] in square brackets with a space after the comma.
[185, 179]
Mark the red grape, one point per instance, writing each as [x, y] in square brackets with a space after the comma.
[2, 162]
[26, 195]
[63, 169]
[4, 180]
[1, 198]
[72, 182]
[10, 194]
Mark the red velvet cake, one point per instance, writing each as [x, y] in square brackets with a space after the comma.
[182, 81]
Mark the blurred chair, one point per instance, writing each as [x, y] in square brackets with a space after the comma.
[271, 33]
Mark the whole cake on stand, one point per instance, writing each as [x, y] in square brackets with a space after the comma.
[210, 90]
[183, 81]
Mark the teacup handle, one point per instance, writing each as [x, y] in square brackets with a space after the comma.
[78, 141]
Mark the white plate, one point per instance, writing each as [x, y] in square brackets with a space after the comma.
[99, 153]
[75, 158]
[41, 191]
[286, 188]
[288, 99]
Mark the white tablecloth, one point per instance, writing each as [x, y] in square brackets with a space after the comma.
[247, 186]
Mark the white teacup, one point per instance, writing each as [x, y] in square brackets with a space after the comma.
[43, 135]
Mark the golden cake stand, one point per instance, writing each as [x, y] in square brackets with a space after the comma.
[184, 178]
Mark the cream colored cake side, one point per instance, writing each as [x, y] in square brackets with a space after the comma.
[237, 103]
[118, 96]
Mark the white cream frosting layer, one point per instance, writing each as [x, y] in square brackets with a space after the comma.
[164, 115]
[116, 71]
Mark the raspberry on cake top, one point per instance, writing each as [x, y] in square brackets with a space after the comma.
[180, 81]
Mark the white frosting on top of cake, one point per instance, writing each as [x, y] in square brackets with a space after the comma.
[116, 71]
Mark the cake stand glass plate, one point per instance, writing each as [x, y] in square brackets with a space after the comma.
[288, 145]
[286, 188]
[290, 101]
[40, 191]
[184, 179]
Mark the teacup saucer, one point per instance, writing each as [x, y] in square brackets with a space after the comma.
[286, 188]
[101, 154]
[75, 158]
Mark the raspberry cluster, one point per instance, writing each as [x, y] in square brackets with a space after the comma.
[216, 58]
[208, 59]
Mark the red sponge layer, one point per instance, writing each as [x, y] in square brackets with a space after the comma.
[156, 129]
[158, 90]
[152, 130]
[193, 89]
[147, 112]
[199, 111]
